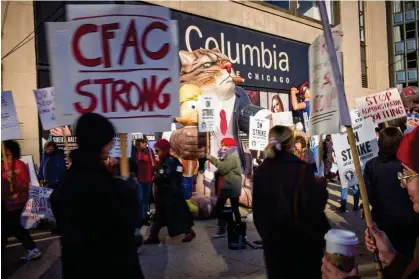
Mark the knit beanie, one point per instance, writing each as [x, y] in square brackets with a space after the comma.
[409, 150]
[93, 132]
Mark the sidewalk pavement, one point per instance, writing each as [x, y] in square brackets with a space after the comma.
[202, 258]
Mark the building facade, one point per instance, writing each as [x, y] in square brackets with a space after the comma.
[267, 42]
[403, 41]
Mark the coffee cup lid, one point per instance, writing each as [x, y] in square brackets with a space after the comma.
[342, 237]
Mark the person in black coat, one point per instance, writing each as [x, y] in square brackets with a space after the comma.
[391, 206]
[171, 208]
[98, 213]
[288, 210]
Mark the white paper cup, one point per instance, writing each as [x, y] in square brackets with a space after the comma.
[341, 248]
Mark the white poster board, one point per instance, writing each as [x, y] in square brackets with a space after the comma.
[324, 115]
[128, 72]
[283, 119]
[28, 160]
[367, 148]
[116, 149]
[383, 106]
[38, 208]
[314, 146]
[206, 114]
[258, 133]
[45, 100]
[9, 122]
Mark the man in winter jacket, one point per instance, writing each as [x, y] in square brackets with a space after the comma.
[52, 166]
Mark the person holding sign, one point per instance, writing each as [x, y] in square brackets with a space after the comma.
[230, 182]
[288, 210]
[13, 200]
[171, 208]
[52, 166]
[98, 212]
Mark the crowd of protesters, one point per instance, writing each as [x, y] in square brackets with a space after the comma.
[288, 201]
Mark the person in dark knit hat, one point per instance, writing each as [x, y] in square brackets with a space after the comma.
[171, 207]
[98, 212]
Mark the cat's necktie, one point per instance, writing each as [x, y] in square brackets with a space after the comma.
[223, 122]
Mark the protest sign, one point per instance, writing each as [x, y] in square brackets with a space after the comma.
[366, 144]
[116, 149]
[206, 115]
[258, 133]
[28, 160]
[315, 142]
[383, 106]
[412, 121]
[45, 100]
[38, 208]
[72, 142]
[282, 119]
[122, 62]
[9, 123]
[325, 109]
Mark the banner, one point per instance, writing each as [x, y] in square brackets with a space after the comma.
[367, 148]
[28, 160]
[38, 208]
[123, 64]
[383, 106]
[9, 123]
[324, 115]
[258, 133]
[283, 119]
[45, 100]
[206, 115]
[116, 149]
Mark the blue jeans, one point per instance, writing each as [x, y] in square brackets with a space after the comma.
[344, 196]
[187, 187]
[144, 195]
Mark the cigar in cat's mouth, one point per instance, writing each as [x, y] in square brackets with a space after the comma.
[238, 79]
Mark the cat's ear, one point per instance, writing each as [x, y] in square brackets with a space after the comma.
[186, 57]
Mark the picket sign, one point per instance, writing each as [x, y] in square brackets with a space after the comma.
[28, 160]
[367, 148]
[9, 126]
[382, 106]
[45, 100]
[38, 208]
[258, 133]
[283, 119]
[325, 104]
[116, 149]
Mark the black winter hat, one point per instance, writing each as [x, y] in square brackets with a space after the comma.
[93, 131]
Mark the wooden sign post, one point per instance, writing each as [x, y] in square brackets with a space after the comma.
[341, 94]
[6, 165]
[123, 163]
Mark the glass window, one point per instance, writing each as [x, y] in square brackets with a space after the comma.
[398, 18]
[310, 9]
[397, 7]
[408, 5]
[411, 45]
[397, 33]
[400, 76]
[412, 64]
[399, 47]
[412, 75]
[281, 4]
[398, 62]
[410, 15]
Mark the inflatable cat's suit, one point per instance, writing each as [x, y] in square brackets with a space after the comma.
[212, 72]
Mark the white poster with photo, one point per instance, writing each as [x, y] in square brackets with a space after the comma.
[367, 148]
[283, 119]
[116, 149]
[9, 122]
[45, 100]
[28, 160]
[38, 208]
[324, 115]
[131, 77]
[206, 114]
[278, 102]
[383, 106]
[258, 133]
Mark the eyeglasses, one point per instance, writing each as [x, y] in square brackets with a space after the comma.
[404, 178]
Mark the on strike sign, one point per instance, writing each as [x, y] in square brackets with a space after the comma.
[258, 133]
[383, 106]
[123, 64]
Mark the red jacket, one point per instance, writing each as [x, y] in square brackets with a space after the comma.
[146, 164]
[16, 199]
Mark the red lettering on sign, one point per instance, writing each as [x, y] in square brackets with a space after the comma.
[80, 32]
[93, 99]
[162, 52]
[131, 40]
[107, 34]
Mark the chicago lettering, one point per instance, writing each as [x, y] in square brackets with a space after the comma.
[244, 54]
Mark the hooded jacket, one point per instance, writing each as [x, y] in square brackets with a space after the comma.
[52, 167]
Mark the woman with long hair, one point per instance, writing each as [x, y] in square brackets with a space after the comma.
[288, 208]
[229, 168]
[277, 105]
[15, 191]
[303, 152]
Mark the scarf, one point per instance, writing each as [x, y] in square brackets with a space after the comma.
[222, 154]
